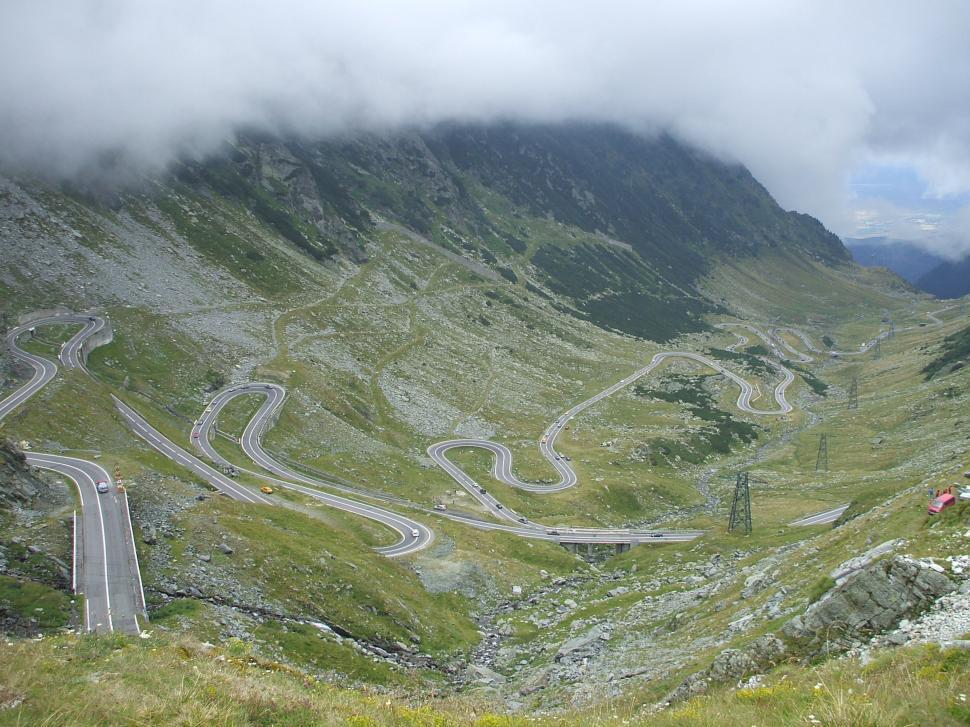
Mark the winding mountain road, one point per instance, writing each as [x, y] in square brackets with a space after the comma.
[44, 369]
[288, 478]
[502, 467]
[773, 340]
[117, 604]
[413, 535]
[106, 562]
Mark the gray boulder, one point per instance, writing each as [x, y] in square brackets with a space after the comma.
[579, 643]
[484, 675]
[756, 583]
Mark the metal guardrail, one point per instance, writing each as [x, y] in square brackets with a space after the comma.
[134, 551]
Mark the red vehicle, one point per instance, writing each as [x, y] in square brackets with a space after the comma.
[941, 503]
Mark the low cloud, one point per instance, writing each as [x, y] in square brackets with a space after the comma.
[798, 90]
[952, 239]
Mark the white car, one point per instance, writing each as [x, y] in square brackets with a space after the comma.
[415, 533]
[101, 486]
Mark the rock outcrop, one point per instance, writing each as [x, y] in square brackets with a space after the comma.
[869, 601]
[871, 597]
[18, 486]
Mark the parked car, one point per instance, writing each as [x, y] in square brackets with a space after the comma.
[941, 503]
[439, 506]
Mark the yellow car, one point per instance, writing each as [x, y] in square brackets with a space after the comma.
[267, 490]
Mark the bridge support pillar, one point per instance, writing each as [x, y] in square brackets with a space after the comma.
[571, 547]
[622, 548]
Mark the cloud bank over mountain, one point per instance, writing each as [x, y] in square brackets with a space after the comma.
[799, 91]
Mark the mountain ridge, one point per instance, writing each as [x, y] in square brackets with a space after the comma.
[674, 211]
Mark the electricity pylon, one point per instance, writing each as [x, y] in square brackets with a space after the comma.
[822, 460]
[741, 505]
[854, 393]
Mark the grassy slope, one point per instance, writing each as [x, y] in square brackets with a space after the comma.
[114, 680]
[955, 348]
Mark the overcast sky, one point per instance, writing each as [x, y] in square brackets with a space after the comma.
[812, 96]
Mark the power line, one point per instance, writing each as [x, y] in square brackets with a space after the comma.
[741, 505]
[877, 349]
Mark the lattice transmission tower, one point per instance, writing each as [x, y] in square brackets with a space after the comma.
[741, 505]
[854, 393]
[822, 460]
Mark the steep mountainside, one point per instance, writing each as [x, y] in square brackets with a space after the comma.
[947, 280]
[628, 224]
[904, 258]
[928, 272]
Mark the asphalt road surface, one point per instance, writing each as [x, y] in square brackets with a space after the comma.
[412, 535]
[106, 562]
[821, 518]
[162, 444]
